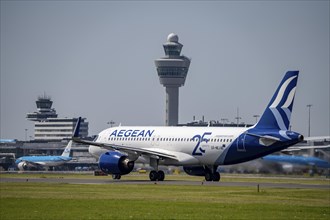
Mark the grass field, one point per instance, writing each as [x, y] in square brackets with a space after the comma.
[120, 201]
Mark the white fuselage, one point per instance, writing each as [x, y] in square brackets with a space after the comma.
[47, 161]
[193, 145]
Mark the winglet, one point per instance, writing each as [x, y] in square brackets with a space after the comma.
[77, 128]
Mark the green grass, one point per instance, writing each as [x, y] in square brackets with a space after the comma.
[120, 201]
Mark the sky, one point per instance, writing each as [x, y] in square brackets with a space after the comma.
[96, 60]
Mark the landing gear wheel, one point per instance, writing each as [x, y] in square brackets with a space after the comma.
[208, 176]
[153, 175]
[116, 176]
[216, 177]
[161, 175]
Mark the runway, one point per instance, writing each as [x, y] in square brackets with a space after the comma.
[166, 182]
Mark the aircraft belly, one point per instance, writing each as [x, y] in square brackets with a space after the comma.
[52, 163]
[211, 154]
[172, 162]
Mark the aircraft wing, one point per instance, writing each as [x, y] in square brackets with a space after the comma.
[131, 150]
[297, 148]
[317, 138]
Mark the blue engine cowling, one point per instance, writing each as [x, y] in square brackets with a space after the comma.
[113, 162]
[194, 170]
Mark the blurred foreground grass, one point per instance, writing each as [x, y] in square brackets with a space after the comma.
[122, 201]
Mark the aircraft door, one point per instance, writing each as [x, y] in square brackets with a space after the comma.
[240, 143]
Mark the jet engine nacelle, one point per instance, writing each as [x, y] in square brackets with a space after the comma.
[113, 162]
[22, 166]
[194, 170]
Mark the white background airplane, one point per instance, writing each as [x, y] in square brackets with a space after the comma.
[200, 150]
[26, 162]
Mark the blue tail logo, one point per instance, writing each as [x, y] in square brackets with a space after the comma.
[278, 112]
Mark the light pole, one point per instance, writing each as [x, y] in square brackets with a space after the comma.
[309, 119]
[256, 116]
[237, 117]
[26, 133]
[111, 123]
[223, 120]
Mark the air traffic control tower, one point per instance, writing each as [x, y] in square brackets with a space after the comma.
[172, 71]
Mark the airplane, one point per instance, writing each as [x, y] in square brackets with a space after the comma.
[23, 163]
[309, 144]
[300, 160]
[200, 150]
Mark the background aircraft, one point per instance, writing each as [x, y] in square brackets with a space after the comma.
[306, 158]
[26, 162]
[301, 160]
[200, 150]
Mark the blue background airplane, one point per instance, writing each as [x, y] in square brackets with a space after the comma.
[26, 162]
[301, 160]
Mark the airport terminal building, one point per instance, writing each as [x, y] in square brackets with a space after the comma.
[48, 127]
[51, 135]
[57, 129]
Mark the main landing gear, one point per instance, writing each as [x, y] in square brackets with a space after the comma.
[212, 174]
[157, 176]
[116, 176]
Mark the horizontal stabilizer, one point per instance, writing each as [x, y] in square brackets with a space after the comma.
[265, 140]
[264, 136]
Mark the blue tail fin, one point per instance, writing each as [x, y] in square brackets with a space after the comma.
[66, 152]
[278, 112]
[77, 128]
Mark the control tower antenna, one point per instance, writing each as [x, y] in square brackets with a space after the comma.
[172, 71]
